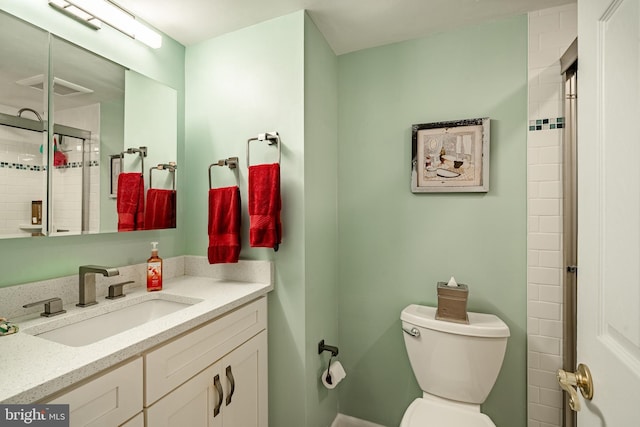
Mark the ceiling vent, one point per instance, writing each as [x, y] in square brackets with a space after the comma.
[60, 87]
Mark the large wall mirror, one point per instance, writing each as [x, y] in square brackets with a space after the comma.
[105, 163]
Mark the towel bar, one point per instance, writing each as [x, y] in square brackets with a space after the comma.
[273, 139]
[231, 162]
[141, 151]
[171, 167]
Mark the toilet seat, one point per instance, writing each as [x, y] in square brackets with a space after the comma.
[428, 413]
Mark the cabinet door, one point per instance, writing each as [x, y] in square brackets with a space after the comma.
[174, 363]
[245, 374]
[230, 393]
[190, 405]
[108, 400]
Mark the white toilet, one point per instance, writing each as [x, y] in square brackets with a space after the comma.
[455, 364]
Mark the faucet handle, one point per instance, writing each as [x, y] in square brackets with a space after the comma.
[52, 306]
[115, 290]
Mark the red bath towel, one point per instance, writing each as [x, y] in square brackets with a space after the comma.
[130, 204]
[160, 211]
[265, 230]
[224, 225]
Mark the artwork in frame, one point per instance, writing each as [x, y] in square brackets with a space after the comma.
[116, 165]
[450, 156]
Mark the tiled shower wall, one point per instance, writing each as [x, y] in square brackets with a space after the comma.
[67, 181]
[23, 174]
[551, 31]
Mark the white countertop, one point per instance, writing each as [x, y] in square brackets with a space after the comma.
[32, 368]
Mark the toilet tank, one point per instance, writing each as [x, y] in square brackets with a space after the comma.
[453, 360]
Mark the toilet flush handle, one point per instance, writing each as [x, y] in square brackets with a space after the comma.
[414, 332]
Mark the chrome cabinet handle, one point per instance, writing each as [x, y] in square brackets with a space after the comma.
[232, 381]
[414, 332]
[218, 386]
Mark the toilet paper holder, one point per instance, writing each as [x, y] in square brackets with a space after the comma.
[322, 347]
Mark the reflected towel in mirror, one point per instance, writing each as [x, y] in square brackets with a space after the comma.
[130, 204]
[160, 209]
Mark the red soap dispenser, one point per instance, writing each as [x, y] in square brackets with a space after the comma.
[154, 270]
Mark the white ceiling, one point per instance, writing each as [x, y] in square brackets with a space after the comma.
[348, 25]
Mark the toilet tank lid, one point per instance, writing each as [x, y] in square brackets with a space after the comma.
[480, 324]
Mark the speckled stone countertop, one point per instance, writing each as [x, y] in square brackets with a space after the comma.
[32, 368]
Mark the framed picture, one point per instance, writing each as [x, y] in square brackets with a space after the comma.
[450, 156]
[116, 165]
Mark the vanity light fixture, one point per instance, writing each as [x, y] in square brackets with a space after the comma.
[93, 12]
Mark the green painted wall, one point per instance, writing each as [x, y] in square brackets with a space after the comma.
[279, 75]
[321, 218]
[239, 85]
[395, 245]
[30, 259]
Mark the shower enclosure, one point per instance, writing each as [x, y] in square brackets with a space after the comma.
[569, 69]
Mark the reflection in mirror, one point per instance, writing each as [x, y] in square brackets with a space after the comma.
[151, 111]
[23, 49]
[88, 96]
[100, 110]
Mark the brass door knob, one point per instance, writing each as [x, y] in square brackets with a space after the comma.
[571, 381]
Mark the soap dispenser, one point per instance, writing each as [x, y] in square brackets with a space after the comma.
[154, 270]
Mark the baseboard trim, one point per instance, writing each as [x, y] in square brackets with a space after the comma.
[347, 421]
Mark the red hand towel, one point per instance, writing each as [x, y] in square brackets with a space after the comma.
[224, 225]
[130, 204]
[160, 209]
[265, 230]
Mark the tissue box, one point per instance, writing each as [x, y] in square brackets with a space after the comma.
[452, 303]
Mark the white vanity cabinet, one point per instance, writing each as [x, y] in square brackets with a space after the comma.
[108, 400]
[213, 376]
[230, 393]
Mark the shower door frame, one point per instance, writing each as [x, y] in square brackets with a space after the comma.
[569, 70]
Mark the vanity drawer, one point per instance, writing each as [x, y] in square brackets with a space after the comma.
[174, 363]
[108, 400]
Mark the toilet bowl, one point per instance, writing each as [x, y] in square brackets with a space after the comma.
[456, 366]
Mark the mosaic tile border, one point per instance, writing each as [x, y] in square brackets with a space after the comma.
[72, 165]
[21, 166]
[546, 124]
[37, 168]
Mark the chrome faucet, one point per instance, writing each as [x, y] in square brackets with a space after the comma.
[87, 282]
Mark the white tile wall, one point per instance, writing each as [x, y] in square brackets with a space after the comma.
[551, 31]
[67, 182]
[19, 187]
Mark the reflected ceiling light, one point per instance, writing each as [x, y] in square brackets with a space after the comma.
[93, 12]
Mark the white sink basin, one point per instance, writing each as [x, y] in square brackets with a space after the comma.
[79, 330]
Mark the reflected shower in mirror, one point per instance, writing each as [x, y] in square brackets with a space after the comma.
[23, 136]
[89, 96]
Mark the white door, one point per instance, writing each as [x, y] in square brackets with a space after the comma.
[609, 209]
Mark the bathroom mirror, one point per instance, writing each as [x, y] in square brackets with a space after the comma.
[100, 110]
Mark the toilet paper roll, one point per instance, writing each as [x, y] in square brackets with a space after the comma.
[337, 374]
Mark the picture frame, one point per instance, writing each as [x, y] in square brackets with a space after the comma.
[450, 156]
[116, 166]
